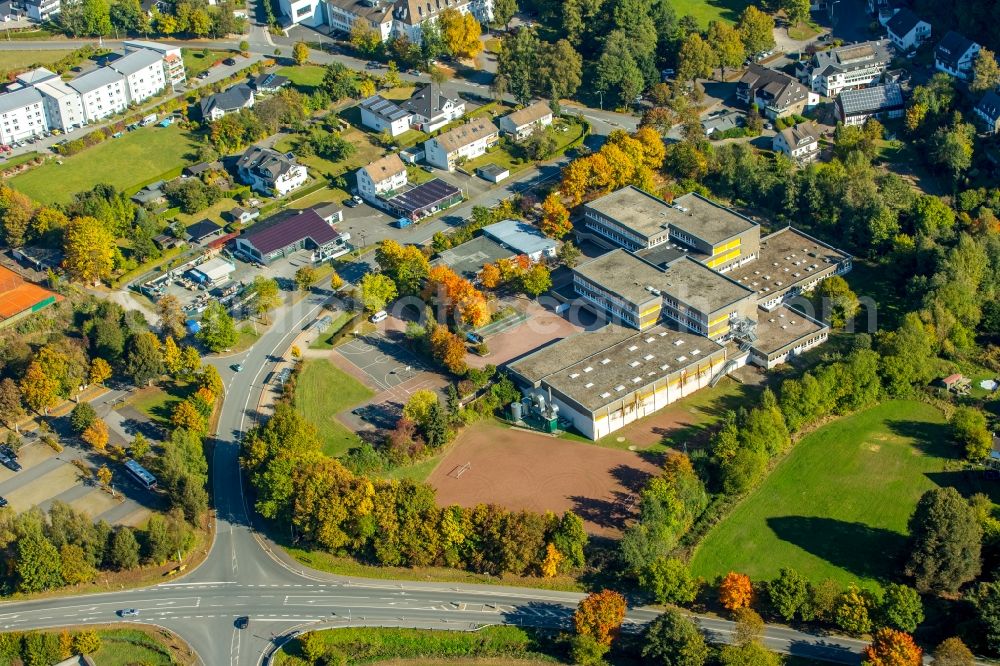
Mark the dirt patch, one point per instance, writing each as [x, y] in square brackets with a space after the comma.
[652, 429]
[523, 470]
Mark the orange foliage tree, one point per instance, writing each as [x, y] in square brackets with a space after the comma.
[489, 276]
[448, 349]
[96, 435]
[555, 217]
[735, 591]
[600, 616]
[458, 296]
[890, 647]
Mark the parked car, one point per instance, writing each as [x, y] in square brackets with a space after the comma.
[381, 315]
[3, 501]
[10, 463]
[229, 62]
[413, 72]
[373, 65]
[204, 75]
[350, 203]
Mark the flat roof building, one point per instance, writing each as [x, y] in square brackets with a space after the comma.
[468, 259]
[522, 238]
[782, 333]
[603, 380]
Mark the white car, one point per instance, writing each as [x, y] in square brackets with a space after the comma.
[381, 315]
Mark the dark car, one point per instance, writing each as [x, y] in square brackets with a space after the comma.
[229, 62]
[373, 65]
[3, 501]
[242, 622]
[10, 463]
[204, 75]
[9, 452]
[350, 203]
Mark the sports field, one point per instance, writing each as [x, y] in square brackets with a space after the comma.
[125, 162]
[710, 10]
[837, 507]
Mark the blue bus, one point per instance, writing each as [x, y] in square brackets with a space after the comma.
[140, 474]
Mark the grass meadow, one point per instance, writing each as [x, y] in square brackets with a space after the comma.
[322, 391]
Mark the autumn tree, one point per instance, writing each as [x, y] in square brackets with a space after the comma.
[300, 52]
[96, 435]
[945, 542]
[456, 296]
[104, 476]
[100, 371]
[890, 647]
[86, 642]
[171, 316]
[550, 565]
[336, 282]
[536, 280]
[953, 652]
[727, 45]
[555, 217]
[377, 291]
[187, 416]
[406, 265]
[38, 389]
[11, 409]
[985, 72]
[600, 616]
[461, 33]
[757, 31]
[365, 38]
[696, 59]
[16, 213]
[305, 276]
[90, 250]
[735, 591]
[448, 349]
[218, 330]
[267, 296]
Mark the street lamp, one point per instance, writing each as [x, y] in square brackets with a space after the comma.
[601, 93]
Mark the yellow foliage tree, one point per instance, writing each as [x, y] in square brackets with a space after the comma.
[96, 435]
[461, 33]
[555, 217]
[104, 476]
[552, 559]
[90, 250]
[100, 371]
[735, 591]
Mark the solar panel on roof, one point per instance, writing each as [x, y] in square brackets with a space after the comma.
[423, 196]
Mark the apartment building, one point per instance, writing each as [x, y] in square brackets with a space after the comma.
[388, 18]
[381, 178]
[143, 72]
[343, 14]
[844, 67]
[103, 93]
[63, 105]
[42, 10]
[173, 62]
[464, 142]
[22, 115]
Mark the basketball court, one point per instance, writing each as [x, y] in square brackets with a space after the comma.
[387, 364]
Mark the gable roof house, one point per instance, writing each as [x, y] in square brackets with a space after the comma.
[382, 177]
[290, 232]
[988, 112]
[268, 83]
[467, 141]
[907, 30]
[519, 124]
[230, 100]
[269, 171]
[430, 109]
[800, 142]
[776, 94]
[848, 66]
[382, 115]
[955, 54]
[854, 107]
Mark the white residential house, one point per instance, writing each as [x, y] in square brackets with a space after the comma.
[42, 10]
[988, 112]
[63, 105]
[519, 124]
[431, 110]
[343, 14]
[271, 172]
[143, 72]
[381, 178]
[229, 100]
[465, 142]
[388, 18]
[800, 142]
[955, 55]
[382, 115]
[173, 62]
[22, 115]
[907, 30]
[103, 92]
[307, 12]
[845, 67]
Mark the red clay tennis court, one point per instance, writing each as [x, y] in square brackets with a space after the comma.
[16, 295]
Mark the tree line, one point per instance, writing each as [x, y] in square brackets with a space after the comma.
[395, 523]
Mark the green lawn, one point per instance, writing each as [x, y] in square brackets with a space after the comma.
[323, 341]
[503, 158]
[196, 62]
[213, 212]
[19, 60]
[321, 392]
[158, 402]
[367, 645]
[135, 158]
[837, 507]
[365, 152]
[710, 10]
[123, 647]
[304, 77]
[19, 159]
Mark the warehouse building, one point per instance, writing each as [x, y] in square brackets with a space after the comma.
[213, 273]
[603, 380]
[423, 200]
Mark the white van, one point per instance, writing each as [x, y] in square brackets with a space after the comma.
[381, 315]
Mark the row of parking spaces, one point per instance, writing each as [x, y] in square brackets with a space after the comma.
[45, 476]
